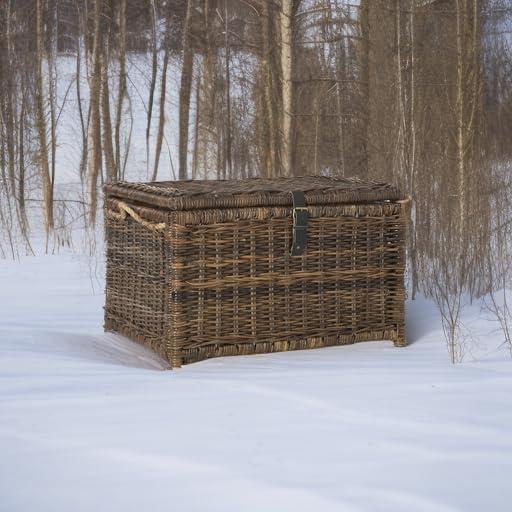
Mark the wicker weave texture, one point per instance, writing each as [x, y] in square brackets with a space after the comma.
[194, 194]
[137, 282]
[215, 282]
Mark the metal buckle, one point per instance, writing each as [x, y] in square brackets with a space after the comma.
[300, 217]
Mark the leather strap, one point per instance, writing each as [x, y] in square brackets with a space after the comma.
[300, 223]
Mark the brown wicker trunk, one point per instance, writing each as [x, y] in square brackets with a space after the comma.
[200, 269]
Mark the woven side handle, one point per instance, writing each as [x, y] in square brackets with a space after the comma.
[406, 201]
[124, 210]
[406, 204]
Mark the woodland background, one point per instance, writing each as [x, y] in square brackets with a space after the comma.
[414, 92]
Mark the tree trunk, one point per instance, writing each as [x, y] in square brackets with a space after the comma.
[195, 157]
[185, 92]
[401, 147]
[412, 178]
[21, 164]
[121, 93]
[94, 143]
[228, 138]
[286, 21]
[152, 83]
[163, 90]
[270, 151]
[52, 82]
[364, 60]
[467, 107]
[108, 148]
[44, 164]
[83, 124]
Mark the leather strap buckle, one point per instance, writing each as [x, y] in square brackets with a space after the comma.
[300, 223]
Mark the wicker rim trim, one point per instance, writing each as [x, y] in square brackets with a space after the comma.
[201, 194]
[157, 220]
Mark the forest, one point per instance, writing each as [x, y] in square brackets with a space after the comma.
[417, 93]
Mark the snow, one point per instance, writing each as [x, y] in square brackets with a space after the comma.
[90, 421]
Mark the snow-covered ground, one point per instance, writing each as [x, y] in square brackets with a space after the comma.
[90, 422]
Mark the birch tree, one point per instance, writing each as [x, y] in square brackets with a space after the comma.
[287, 24]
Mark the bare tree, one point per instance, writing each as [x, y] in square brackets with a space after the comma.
[269, 73]
[287, 13]
[163, 91]
[185, 92]
[94, 136]
[41, 119]
[121, 88]
[83, 122]
[154, 70]
[227, 67]
[108, 148]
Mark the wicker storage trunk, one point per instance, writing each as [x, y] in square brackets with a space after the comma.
[200, 269]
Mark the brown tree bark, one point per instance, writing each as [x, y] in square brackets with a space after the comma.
[269, 100]
[287, 24]
[228, 135]
[364, 86]
[163, 90]
[185, 92]
[44, 164]
[108, 149]
[83, 123]
[152, 83]
[195, 157]
[94, 142]
[121, 92]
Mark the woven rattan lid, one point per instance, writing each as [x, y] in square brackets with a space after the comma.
[194, 194]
